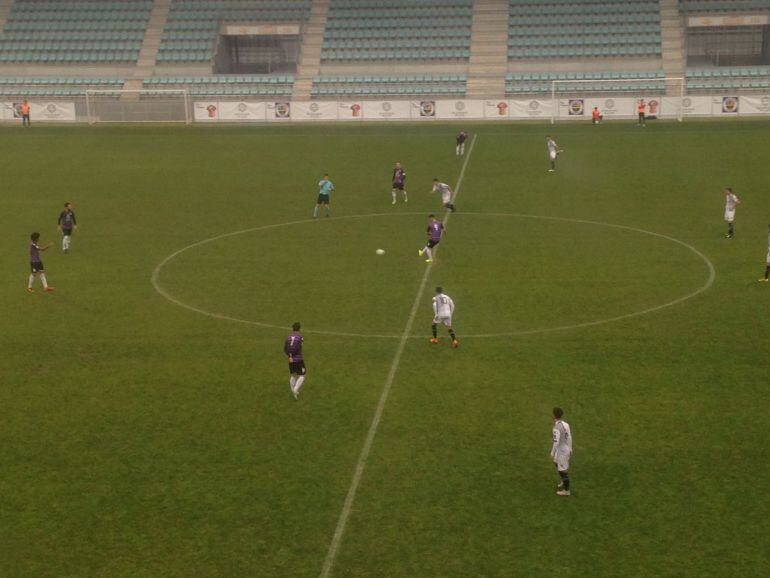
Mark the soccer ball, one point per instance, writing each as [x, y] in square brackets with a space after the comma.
[380, 251]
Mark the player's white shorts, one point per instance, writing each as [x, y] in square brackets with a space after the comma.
[562, 462]
[445, 320]
[729, 215]
[553, 155]
[446, 198]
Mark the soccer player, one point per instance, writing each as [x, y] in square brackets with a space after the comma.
[596, 116]
[731, 201]
[435, 231]
[767, 260]
[399, 176]
[325, 187]
[641, 107]
[553, 152]
[36, 265]
[446, 194]
[292, 347]
[461, 137]
[67, 223]
[443, 308]
[561, 450]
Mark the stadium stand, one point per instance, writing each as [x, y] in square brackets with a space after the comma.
[539, 83]
[731, 78]
[32, 86]
[694, 6]
[407, 30]
[84, 31]
[225, 85]
[393, 85]
[192, 26]
[568, 29]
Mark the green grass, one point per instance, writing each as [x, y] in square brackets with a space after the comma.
[140, 438]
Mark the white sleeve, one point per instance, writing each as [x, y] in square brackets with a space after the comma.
[556, 440]
[435, 307]
[451, 306]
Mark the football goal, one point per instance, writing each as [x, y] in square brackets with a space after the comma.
[138, 105]
[617, 98]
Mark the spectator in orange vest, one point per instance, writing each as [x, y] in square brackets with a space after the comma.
[24, 113]
[640, 108]
[596, 116]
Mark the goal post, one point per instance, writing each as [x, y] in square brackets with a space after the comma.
[119, 105]
[617, 98]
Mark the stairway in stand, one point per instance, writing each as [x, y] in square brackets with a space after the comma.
[489, 49]
[310, 58]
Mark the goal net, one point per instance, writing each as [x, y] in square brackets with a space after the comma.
[138, 105]
[617, 98]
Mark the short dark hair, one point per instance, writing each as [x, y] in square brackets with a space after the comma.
[439, 289]
[296, 326]
[431, 216]
[558, 412]
[435, 180]
[35, 236]
[67, 204]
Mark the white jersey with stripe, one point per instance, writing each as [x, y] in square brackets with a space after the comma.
[443, 306]
[552, 146]
[562, 439]
[731, 200]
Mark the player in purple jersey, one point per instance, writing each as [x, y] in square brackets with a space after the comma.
[461, 137]
[399, 176]
[67, 222]
[435, 232]
[292, 347]
[35, 264]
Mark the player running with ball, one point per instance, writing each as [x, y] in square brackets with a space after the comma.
[443, 308]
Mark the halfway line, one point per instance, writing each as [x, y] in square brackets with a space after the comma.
[367, 448]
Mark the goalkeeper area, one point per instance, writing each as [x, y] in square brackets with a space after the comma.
[135, 106]
[148, 426]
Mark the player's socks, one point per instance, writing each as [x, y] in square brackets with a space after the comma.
[451, 207]
[297, 387]
[452, 335]
[406, 197]
[31, 280]
[767, 272]
[44, 280]
[428, 252]
[292, 382]
[565, 480]
[315, 212]
[328, 212]
[434, 331]
[393, 194]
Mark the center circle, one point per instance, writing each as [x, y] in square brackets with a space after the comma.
[354, 273]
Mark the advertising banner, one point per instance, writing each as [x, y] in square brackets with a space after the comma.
[350, 110]
[424, 109]
[757, 104]
[315, 110]
[496, 109]
[530, 108]
[726, 105]
[458, 109]
[206, 111]
[242, 111]
[608, 107]
[388, 109]
[279, 110]
[40, 111]
[691, 106]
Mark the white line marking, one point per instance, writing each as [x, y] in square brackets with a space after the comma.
[367, 448]
[709, 282]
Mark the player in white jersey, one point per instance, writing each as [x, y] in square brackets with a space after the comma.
[731, 201]
[561, 451]
[553, 152]
[446, 194]
[443, 308]
[767, 260]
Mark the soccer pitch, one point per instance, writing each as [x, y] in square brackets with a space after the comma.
[148, 428]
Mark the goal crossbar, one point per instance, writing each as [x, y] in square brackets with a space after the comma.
[667, 80]
[138, 105]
